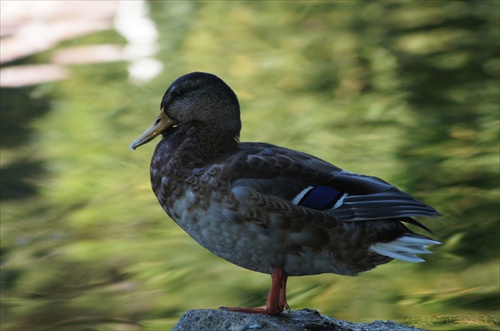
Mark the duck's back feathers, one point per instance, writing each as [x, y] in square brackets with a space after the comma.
[367, 206]
[310, 182]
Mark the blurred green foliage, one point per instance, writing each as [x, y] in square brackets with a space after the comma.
[406, 91]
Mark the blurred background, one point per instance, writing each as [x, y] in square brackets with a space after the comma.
[406, 91]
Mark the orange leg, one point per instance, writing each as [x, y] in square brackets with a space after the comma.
[276, 300]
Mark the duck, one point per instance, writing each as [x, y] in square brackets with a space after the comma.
[268, 208]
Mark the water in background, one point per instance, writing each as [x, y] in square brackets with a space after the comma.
[404, 91]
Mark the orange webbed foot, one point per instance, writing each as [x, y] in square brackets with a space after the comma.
[276, 300]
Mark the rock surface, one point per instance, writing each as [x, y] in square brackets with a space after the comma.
[298, 320]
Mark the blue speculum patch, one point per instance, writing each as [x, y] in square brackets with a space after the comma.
[320, 197]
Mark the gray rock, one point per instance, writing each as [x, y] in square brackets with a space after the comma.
[298, 320]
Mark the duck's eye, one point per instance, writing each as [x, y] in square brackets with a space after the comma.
[179, 92]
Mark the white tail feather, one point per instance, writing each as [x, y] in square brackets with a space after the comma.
[405, 248]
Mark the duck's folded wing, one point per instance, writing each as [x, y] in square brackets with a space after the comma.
[310, 182]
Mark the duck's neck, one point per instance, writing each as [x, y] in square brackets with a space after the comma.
[196, 145]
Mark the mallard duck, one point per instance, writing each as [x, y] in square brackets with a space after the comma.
[268, 208]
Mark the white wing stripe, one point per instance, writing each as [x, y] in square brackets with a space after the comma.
[299, 196]
[340, 201]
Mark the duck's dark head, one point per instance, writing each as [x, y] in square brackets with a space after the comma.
[196, 97]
